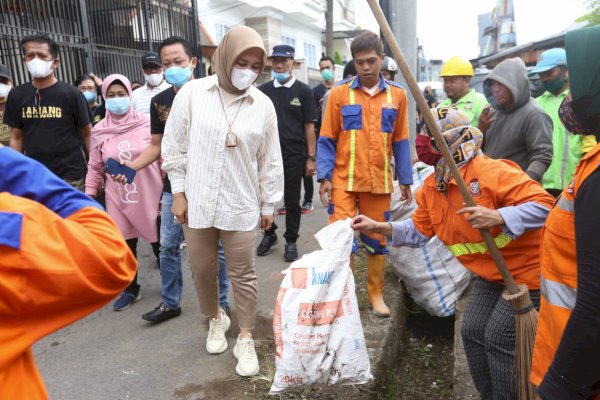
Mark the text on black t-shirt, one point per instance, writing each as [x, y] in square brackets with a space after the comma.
[51, 120]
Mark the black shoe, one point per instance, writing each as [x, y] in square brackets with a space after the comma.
[265, 245]
[291, 252]
[161, 313]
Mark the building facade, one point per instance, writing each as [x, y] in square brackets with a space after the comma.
[100, 36]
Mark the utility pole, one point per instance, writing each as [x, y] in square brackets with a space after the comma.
[402, 17]
[329, 29]
[199, 72]
[149, 37]
[85, 22]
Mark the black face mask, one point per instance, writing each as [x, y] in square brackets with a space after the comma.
[572, 122]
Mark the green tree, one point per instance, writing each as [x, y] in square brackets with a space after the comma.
[593, 15]
[337, 58]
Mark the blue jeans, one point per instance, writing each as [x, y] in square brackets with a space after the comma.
[171, 237]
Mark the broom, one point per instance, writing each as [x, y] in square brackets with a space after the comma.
[526, 315]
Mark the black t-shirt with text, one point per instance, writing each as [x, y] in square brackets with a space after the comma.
[160, 107]
[294, 106]
[51, 120]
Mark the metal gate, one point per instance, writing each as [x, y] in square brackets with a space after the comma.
[100, 36]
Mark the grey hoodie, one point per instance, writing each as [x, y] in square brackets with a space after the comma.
[522, 132]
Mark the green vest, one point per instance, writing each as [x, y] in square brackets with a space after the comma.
[566, 147]
[471, 104]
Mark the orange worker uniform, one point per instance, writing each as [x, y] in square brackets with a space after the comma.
[559, 270]
[61, 258]
[359, 134]
[493, 184]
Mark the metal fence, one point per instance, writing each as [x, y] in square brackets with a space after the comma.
[100, 36]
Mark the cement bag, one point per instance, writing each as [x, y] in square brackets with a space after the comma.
[434, 278]
[318, 334]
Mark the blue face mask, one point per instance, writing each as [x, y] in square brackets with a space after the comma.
[90, 97]
[178, 76]
[118, 105]
[280, 76]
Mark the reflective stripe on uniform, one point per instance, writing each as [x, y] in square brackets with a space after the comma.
[558, 294]
[565, 204]
[352, 146]
[385, 149]
[388, 91]
[460, 249]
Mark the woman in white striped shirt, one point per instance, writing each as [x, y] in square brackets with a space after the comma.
[221, 152]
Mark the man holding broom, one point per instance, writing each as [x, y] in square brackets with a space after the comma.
[513, 207]
[365, 122]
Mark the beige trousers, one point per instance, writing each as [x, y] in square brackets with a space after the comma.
[204, 263]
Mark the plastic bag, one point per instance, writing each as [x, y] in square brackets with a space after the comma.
[318, 333]
[434, 278]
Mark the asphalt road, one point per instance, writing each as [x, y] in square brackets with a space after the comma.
[117, 355]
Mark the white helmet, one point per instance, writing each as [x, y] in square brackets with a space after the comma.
[389, 64]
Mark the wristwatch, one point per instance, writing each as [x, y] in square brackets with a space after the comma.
[312, 157]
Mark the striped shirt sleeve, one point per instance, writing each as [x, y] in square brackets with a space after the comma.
[270, 165]
[176, 140]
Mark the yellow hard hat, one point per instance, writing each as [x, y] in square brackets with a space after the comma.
[457, 66]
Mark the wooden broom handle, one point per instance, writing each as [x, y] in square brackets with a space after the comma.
[433, 127]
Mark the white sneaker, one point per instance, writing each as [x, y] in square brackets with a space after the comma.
[216, 342]
[246, 355]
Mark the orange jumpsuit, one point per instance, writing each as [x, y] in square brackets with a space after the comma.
[61, 258]
[358, 136]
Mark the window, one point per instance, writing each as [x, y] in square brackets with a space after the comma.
[289, 41]
[310, 52]
[221, 30]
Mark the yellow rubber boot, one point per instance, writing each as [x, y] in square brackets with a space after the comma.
[375, 270]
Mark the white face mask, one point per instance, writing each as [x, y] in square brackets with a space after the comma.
[4, 89]
[154, 79]
[243, 78]
[39, 68]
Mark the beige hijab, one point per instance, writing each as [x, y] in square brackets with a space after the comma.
[237, 40]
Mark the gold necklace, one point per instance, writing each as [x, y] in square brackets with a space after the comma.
[231, 138]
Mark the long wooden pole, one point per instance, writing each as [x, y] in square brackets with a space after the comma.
[433, 127]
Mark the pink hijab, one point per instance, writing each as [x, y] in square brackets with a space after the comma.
[112, 124]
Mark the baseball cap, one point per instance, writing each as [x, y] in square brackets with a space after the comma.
[550, 59]
[151, 59]
[283, 50]
[4, 72]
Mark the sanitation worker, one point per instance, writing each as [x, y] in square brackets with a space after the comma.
[513, 207]
[567, 345]
[61, 258]
[365, 122]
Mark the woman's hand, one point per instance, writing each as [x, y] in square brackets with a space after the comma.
[482, 217]
[180, 208]
[266, 222]
[120, 178]
[365, 225]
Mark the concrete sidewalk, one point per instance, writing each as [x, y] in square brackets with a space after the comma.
[117, 355]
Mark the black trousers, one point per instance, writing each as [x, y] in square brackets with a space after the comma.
[309, 188]
[292, 188]
[134, 286]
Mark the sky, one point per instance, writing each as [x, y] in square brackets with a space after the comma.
[456, 23]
